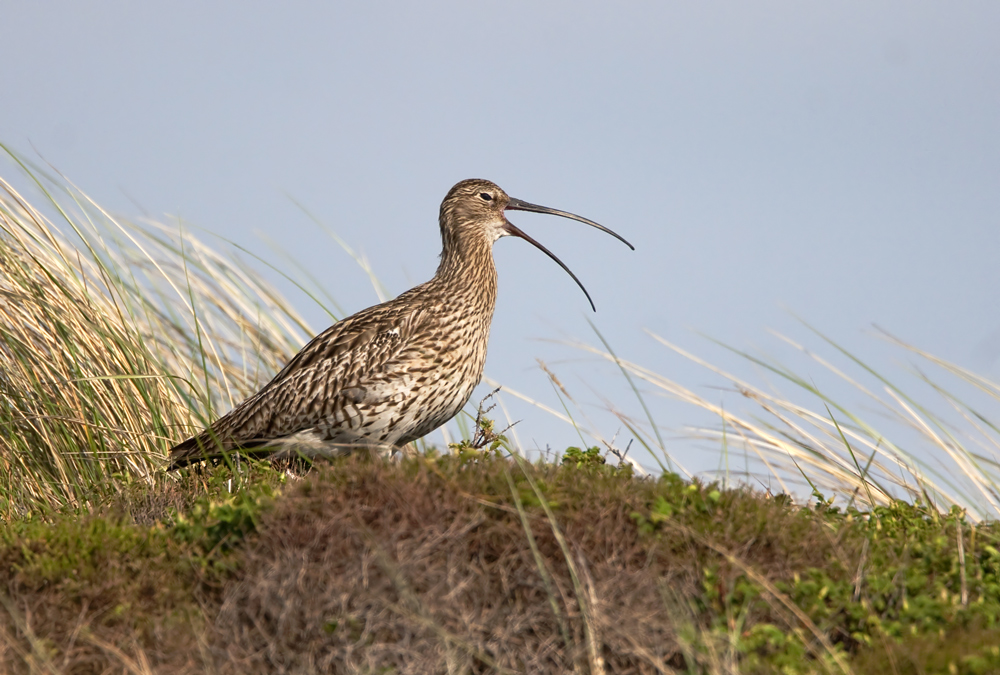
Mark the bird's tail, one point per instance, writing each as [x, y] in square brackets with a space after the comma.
[210, 445]
[205, 445]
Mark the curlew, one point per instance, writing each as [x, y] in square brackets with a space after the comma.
[393, 372]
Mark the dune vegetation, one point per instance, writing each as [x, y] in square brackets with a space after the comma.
[876, 549]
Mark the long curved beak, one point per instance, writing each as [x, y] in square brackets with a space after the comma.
[519, 205]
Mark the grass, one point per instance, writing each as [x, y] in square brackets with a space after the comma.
[443, 564]
[807, 440]
[119, 337]
[117, 341]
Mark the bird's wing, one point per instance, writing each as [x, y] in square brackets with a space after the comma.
[327, 375]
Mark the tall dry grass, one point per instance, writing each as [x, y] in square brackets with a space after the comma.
[117, 339]
[873, 441]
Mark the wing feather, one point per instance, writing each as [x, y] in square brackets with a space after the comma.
[336, 369]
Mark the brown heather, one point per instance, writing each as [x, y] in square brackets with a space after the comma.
[416, 571]
[422, 567]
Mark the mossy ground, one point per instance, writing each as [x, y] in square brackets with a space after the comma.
[485, 564]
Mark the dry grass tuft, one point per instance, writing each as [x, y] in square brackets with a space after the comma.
[115, 343]
[945, 452]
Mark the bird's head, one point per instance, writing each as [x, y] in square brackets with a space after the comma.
[475, 210]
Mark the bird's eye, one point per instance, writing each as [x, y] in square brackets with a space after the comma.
[486, 196]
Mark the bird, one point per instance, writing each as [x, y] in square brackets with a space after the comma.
[393, 372]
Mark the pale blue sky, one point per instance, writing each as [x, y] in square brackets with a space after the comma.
[839, 160]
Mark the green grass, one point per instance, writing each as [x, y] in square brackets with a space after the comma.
[119, 338]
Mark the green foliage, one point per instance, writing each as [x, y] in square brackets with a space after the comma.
[897, 574]
[766, 647]
[74, 550]
[591, 457]
[218, 526]
[485, 441]
[677, 497]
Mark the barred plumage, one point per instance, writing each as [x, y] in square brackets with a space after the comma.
[393, 372]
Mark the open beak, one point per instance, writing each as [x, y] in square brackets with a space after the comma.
[518, 205]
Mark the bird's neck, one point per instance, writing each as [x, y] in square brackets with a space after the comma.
[467, 269]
